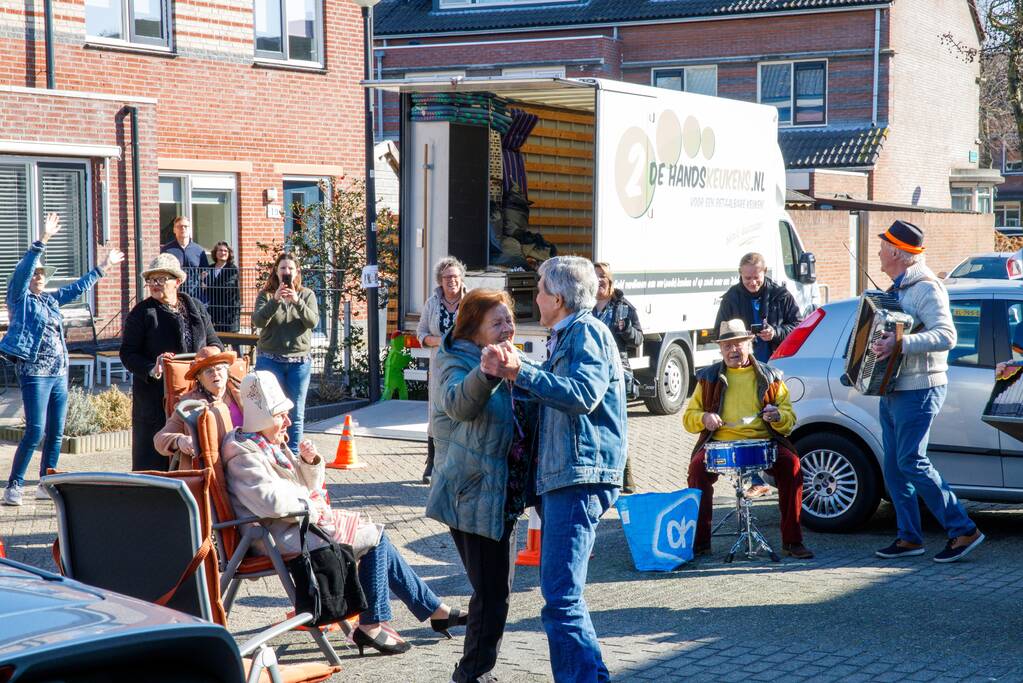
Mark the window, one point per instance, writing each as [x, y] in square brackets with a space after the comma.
[1012, 166]
[790, 250]
[289, 30]
[1015, 319]
[702, 80]
[299, 193]
[1007, 215]
[28, 191]
[984, 200]
[538, 72]
[962, 198]
[797, 89]
[209, 200]
[966, 316]
[145, 22]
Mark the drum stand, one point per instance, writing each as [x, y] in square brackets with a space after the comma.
[749, 535]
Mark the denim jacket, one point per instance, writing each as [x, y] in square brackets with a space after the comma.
[27, 314]
[581, 392]
[472, 426]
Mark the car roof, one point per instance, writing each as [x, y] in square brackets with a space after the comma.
[967, 285]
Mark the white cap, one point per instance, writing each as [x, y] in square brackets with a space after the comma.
[262, 398]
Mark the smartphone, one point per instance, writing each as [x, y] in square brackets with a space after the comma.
[286, 280]
[756, 328]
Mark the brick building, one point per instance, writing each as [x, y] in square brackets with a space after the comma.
[241, 108]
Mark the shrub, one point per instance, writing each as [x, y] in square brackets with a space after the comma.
[113, 408]
[82, 416]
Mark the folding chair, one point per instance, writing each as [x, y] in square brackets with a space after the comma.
[161, 552]
[237, 537]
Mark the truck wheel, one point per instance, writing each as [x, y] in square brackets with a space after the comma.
[672, 383]
[841, 489]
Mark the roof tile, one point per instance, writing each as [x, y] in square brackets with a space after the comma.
[831, 147]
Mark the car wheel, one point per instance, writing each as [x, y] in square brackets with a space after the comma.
[672, 383]
[841, 489]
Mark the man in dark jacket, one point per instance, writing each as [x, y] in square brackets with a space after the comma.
[759, 301]
[191, 255]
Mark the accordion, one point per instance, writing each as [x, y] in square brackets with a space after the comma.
[878, 312]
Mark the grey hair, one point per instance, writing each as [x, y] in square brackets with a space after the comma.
[444, 264]
[572, 279]
[904, 256]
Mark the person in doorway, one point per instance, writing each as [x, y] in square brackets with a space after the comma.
[438, 316]
[480, 484]
[620, 316]
[288, 313]
[223, 297]
[191, 256]
[165, 323]
[735, 387]
[768, 310]
[907, 412]
[582, 442]
[35, 340]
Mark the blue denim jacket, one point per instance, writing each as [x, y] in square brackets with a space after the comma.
[26, 313]
[582, 434]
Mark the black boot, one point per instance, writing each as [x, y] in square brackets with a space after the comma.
[428, 472]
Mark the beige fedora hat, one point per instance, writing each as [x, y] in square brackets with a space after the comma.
[734, 329]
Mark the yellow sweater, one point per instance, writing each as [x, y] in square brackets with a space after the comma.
[740, 400]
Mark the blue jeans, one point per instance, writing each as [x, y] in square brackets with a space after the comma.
[45, 400]
[906, 418]
[569, 520]
[382, 568]
[294, 380]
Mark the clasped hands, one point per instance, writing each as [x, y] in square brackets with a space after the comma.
[501, 360]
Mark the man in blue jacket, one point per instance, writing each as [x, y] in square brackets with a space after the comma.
[582, 446]
[191, 255]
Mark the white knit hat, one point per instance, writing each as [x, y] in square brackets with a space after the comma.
[262, 398]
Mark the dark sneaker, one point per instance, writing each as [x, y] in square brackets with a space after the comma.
[899, 549]
[959, 547]
[798, 551]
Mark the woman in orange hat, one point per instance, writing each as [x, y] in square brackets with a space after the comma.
[213, 383]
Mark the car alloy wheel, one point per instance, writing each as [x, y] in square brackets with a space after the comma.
[830, 483]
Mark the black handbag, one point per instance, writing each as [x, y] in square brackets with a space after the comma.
[326, 579]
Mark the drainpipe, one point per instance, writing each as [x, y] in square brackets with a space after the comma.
[136, 193]
[877, 65]
[48, 9]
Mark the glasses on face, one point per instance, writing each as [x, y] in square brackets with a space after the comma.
[158, 280]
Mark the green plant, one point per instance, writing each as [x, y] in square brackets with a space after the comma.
[82, 416]
[113, 408]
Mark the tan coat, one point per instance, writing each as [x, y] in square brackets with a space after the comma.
[166, 440]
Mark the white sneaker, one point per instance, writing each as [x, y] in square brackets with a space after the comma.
[12, 494]
[41, 493]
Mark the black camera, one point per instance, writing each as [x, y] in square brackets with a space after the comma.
[286, 279]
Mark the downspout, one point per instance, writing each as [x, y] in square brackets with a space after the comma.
[378, 95]
[877, 66]
[136, 190]
[48, 14]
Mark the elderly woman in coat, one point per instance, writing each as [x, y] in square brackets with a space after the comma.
[438, 316]
[165, 323]
[266, 479]
[481, 477]
[213, 383]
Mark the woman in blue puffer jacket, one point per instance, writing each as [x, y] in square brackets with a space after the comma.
[35, 341]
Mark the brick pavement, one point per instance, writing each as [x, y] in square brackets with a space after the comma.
[845, 616]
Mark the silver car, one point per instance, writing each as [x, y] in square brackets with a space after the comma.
[838, 433]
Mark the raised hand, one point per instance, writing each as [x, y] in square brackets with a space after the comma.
[490, 360]
[308, 451]
[52, 226]
[112, 259]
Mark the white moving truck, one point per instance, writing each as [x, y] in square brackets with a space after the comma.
[670, 188]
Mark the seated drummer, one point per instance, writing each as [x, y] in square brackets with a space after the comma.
[717, 414]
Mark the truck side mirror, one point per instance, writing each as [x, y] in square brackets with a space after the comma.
[807, 268]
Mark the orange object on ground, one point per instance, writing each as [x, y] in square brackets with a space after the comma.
[530, 555]
[346, 458]
[3, 550]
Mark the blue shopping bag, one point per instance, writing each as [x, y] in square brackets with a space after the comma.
[660, 528]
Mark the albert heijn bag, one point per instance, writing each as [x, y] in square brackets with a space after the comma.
[660, 528]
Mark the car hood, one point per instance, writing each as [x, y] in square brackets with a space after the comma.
[40, 610]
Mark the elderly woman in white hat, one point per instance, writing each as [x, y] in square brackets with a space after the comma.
[165, 323]
[213, 383]
[266, 479]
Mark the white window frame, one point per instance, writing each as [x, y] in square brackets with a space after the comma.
[127, 30]
[534, 72]
[209, 181]
[33, 211]
[962, 191]
[283, 57]
[1002, 209]
[655, 71]
[792, 89]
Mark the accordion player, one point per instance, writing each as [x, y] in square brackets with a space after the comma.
[879, 312]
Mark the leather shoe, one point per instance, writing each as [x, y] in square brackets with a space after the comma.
[758, 490]
[798, 551]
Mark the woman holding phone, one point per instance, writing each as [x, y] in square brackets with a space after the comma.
[287, 313]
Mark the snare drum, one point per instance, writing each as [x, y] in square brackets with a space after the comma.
[746, 455]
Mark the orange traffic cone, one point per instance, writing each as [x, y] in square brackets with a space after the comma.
[346, 457]
[3, 550]
[530, 555]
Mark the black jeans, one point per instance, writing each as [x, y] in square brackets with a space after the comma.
[490, 566]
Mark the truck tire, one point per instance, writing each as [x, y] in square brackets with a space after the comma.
[841, 488]
[672, 383]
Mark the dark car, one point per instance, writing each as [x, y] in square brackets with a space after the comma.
[55, 629]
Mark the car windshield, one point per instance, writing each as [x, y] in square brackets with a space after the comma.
[985, 267]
